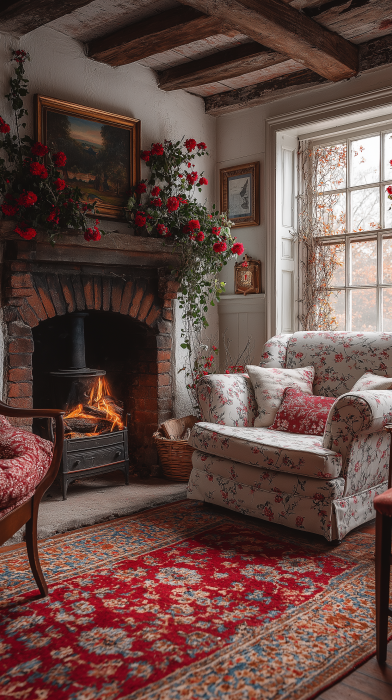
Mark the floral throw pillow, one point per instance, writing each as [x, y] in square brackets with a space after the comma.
[302, 414]
[370, 381]
[269, 384]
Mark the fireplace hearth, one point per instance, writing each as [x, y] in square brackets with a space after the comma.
[121, 290]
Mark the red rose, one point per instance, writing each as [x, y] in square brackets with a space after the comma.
[216, 230]
[155, 191]
[157, 202]
[39, 170]
[59, 184]
[39, 149]
[9, 209]
[172, 204]
[201, 146]
[140, 219]
[203, 181]
[237, 249]
[59, 159]
[200, 236]
[220, 246]
[157, 149]
[162, 229]
[27, 199]
[25, 232]
[190, 144]
[389, 189]
[193, 224]
[88, 234]
[145, 155]
[53, 216]
[141, 188]
[4, 128]
[192, 177]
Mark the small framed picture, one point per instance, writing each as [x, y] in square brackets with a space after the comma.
[240, 194]
[102, 149]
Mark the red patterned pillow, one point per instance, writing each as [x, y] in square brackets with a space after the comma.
[301, 413]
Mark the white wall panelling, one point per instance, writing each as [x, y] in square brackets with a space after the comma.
[241, 317]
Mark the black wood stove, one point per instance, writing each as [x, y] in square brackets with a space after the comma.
[95, 427]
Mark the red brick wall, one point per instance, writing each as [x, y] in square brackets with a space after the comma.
[33, 295]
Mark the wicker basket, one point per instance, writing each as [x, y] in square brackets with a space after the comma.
[175, 455]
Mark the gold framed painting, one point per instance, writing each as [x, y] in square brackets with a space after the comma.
[102, 149]
[240, 194]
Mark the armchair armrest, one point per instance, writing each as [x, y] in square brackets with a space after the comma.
[227, 399]
[353, 413]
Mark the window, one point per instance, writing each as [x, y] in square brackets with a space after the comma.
[355, 218]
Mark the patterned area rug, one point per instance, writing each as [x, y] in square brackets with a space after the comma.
[186, 603]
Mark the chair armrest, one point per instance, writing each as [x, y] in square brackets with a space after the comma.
[227, 399]
[353, 413]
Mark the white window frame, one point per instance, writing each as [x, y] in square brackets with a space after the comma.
[324, 120]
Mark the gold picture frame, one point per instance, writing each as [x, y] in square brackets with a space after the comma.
[103, 157]
[240, 194]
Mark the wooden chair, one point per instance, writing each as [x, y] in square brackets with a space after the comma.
[383, 506]
[27, 512]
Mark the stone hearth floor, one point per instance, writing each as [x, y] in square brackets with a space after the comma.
[98, 499]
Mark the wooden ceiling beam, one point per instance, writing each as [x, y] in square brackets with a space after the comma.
[158, 33]
[24, 16]
[219, 66]
[284, 29]
[372, 54]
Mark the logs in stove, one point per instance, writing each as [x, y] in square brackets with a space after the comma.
[95, 427]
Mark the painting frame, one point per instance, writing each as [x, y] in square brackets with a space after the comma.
[44, 105]
[246, 177]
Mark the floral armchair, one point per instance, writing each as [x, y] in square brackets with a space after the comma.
[322, 484]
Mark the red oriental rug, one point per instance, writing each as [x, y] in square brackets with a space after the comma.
[186, 603]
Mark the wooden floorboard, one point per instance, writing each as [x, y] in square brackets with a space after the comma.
[368, 682]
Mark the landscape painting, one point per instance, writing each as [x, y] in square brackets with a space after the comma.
[101, 156]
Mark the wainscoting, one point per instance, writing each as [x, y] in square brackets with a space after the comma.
[241, 317]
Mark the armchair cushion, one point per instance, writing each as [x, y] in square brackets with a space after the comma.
[372, 382]
[24, 460]
[268, 449]
[227, 399]
[302, 414]
[269, 384]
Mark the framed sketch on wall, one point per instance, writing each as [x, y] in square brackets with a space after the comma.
[240, 194]
[102, 149]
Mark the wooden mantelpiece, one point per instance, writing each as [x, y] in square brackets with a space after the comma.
[112, 249]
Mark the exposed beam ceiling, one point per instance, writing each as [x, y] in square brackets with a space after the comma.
[372, 54]
[23, 16]
[156, 34]
[239, 60]
[279, 26]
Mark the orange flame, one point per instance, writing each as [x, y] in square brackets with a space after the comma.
[99, 395]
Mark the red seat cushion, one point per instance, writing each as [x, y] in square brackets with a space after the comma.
[302, 414]
[383, 503]
[24, 460]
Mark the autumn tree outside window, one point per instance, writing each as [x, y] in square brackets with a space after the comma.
[345, 232]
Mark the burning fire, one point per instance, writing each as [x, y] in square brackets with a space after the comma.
[101, 414]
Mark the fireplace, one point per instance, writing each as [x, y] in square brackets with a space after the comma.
[122, 290]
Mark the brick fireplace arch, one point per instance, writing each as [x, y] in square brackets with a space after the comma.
[38, 290]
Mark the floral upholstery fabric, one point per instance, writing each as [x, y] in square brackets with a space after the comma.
[368, 462]
[363, 412]
[302, 414]
[260, 447]
[321, 490]
[227, 399]
[274, 351]
[269, 384]
[24, 460]
[371, 382]
[340, 358]
[354, 510]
